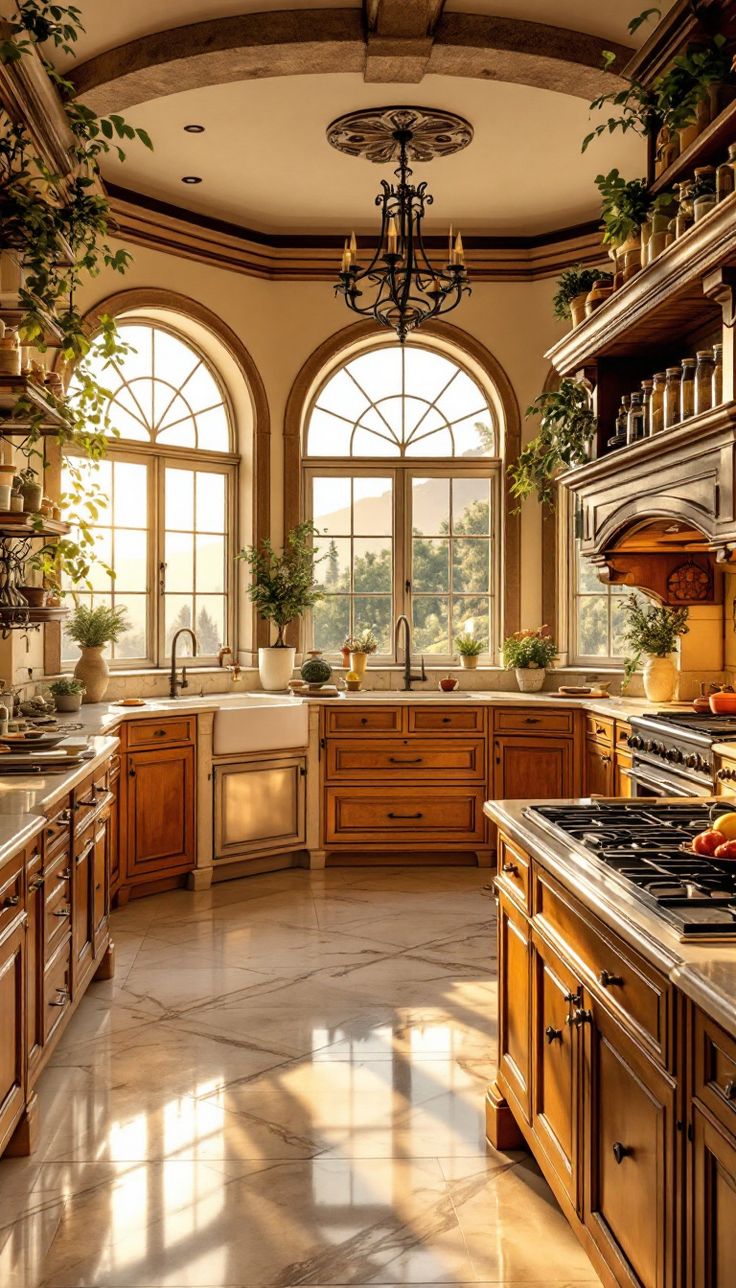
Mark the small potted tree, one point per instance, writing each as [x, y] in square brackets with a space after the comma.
[573, 286]
[282, 588]
[359, 648]
[93, 629]
[469, 649]
[651, 633]
[68, 693]
[624, 209]
[529, 653]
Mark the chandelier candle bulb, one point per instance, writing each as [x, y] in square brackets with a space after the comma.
[459, 252]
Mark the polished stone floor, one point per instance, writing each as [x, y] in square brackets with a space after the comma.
[284, 1085]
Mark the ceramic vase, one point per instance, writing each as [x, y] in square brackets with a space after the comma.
[275, 667]
[358, 663]
[530, 679]
[660, 678]
[92, 670]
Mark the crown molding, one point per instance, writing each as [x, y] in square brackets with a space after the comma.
[146, 222]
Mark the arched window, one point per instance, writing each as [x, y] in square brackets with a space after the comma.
[401, 474]
[169, 483]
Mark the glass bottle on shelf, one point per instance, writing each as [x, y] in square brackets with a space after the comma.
[622, 421]
[704, 381]
[684, 217]
[725, 177]
[717, 398]
[656, 402]
[637, 426]
[704, 191]
[687, 388]
[673, 376]
[647, 387]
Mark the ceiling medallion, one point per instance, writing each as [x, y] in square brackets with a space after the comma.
[407, 289]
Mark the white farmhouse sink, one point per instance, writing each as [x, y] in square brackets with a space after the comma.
[260, 723]
[415, 695]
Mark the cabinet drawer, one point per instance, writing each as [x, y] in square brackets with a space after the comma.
[407, 759]
[458, 720]
[513, 872]
[346, 719]
[57, 831]
[56, 990]
[405, 815]
[160, 733]
[623, 730]
[528, 720]
[635, 993]
[57, 904]
[90, 800]
[600, 728]
[11, 891]
[715, 1070]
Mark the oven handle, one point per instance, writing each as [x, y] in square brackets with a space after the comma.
[659, 786]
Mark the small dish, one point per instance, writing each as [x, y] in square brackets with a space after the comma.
[129, 702]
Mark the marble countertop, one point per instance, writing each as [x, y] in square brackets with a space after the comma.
[704, 972]
[16, 830]
[32, 794]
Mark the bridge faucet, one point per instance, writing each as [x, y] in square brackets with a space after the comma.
[409, 676]
[183, 683]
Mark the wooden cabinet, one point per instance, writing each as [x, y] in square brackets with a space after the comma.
[514, 1008]
[713, 1205]
[114, 833]
[533, 768]
[556, 1064]
[160, 812]
[83, 933]
[34, 954]
[599, 769]
[12, 1025]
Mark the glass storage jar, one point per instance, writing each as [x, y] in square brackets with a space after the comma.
[656, 402]
[704, 381]
[717, 375]
[684, 217]
[646, 395]
[725, 178]
[637, 427]
[704, 191]
[671, 416]
[687, 388]
[622, 420]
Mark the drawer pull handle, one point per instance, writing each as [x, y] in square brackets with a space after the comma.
[573, 998]
[63, 912]
[600, 728]
[620, 1152]
[62, 998]
[608, 980]
[416, 760]
[552, 1034]
[729, 1089]
[12, 901]
[131, 772]
[36, 884]
[159, 733]
[579, 1017]
[417, 815]
[511, 868]
[446, 719]
[65, 875]
[64, 818]
[531, 719]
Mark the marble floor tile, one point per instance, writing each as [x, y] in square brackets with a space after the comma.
[284, 1085]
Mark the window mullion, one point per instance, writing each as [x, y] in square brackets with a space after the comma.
[158, 528]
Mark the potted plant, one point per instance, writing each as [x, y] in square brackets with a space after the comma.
[469, 649]
[282, 589]
[566, 428]
[529, 653]
[624, 209]
[360, 647]
[92, 629]
[573, 286]
[31, 489]
[651, 632]
[68, 693]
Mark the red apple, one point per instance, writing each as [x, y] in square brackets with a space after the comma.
[726, 851]
[708, 842]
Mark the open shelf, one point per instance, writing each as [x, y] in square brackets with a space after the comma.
[14, 525]
[12, 388]
[18, 619]
[710, 147]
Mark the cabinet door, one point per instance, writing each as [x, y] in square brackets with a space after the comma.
[599, 773]
[259, 807]
[34, 956]
[82, 930]
[532, 768]
[555, 1054]
[713, 1205]
[514, 1005]
[12, 1030]
[622, 782]
[629, 1152]
[160, 812]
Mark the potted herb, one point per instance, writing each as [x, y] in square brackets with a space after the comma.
[651, 632]
[573, 286]
[566, 427]
[68, 693]
[282, 589]
[359, 648]
[469, 649]
[31, 489]
[624, 209]
[92, 629]
[529, 653]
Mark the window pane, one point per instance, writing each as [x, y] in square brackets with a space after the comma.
[179, 499]
[430, 564]
[472, 616]
[213, 430]
[593, 625]
[430, 506]
[174, 359]
[431, 624]
[381, 369]
[374, 611]
[98, 574]
[471, 508]
[200, 390]
[462, 398]
[131, 560]
[333, 572]
[471, 569]
[210, 623]
[342, 396]
[183, 434]
[378, 442]
[133, 643]
[331, 505]
[372, 507]
[210, 552]
[331, 618]
[436, 444]
[211, 508]
[179, 556]
[328, 436]
[131, 494]
[371, 564]
[588, 579]
[474, 436]
[178, 613]
[427, 373]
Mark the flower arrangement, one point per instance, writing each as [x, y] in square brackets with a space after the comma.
[529, 650]
[364, 642]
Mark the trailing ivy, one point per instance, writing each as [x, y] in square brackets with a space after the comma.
[566, 426]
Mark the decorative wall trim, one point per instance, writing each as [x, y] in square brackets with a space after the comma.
[143, 221]
[328, 354]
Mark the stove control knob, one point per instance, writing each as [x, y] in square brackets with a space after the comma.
[674, 756]
[651, 746]
[692, 762]
[635, 742]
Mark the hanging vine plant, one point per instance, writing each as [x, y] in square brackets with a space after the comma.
[59, 227]
[566, 427]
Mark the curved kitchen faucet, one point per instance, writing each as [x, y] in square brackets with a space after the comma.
[409, 676]
[174, 684]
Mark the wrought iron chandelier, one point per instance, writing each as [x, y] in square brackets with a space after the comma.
[405, 287]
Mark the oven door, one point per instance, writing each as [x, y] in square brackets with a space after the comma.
[649, 780]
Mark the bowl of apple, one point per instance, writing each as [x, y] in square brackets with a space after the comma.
[716, 842]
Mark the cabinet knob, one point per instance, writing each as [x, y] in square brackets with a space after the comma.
[552, 1034]
[608, 980]
[620, 1152]
[729, 1089]
[131, 772]
[159, 733]
[579, 1017]
[12, 901]
[61, 998]
[511, 868]
[573, 998]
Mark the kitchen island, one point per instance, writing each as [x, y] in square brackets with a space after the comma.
[617, 1053]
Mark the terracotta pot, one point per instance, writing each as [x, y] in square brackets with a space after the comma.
[345, 658]
[577, 308]
[660, 678]
[597, 295]
[469, 661]
[92, 670]
[530, 679]
[275, 667]
[358, 663]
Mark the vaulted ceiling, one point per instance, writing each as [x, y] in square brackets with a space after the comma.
[265, 79]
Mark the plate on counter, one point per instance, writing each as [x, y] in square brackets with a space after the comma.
[40, 742]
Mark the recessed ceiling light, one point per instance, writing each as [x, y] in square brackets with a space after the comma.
[191, 178]
[194, 129]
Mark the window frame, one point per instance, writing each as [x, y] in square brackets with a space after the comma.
[572, 595]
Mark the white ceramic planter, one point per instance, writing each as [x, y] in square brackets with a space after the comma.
[660, 678]
[68, 701]
[275, 667]
[93, 671]
[530, 679]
